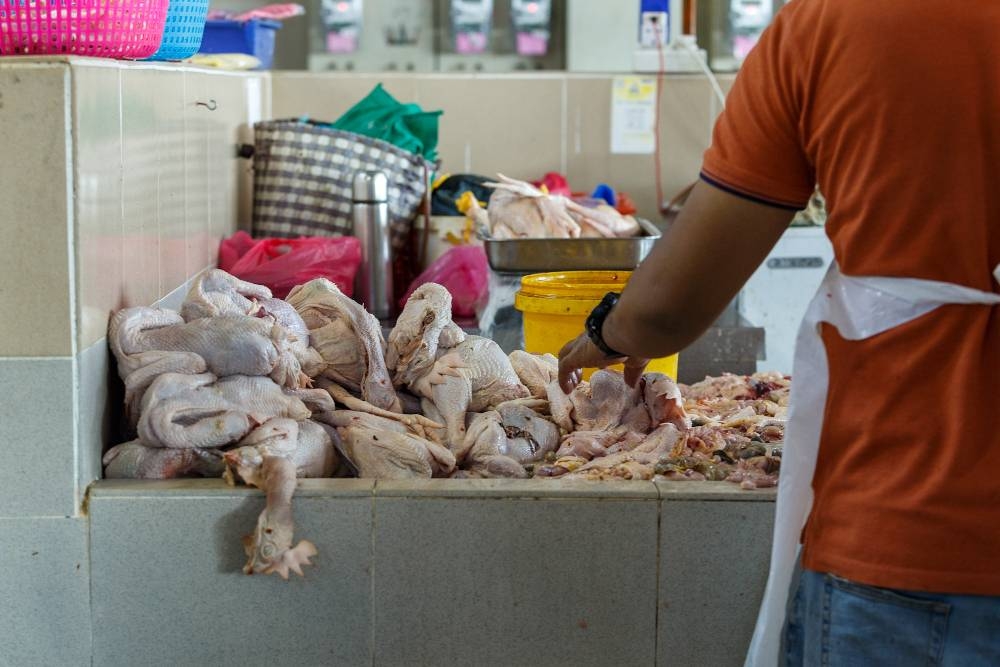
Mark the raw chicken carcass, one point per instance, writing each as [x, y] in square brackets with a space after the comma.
[284, 314]
[271, 458]
[511, 431]
[215, 292]
[135, 460]
[422, 329]
[520, 210]
[536, 371]
[349, 340]
[385, 454]
[602, 220]
[201, 411]
[148, 342]
[436, 360]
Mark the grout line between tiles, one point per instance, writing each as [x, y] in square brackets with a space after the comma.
[564, 129]
[656, 569]
[90, 586]
[371, 577]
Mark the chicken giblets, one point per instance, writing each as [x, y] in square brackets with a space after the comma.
[348, 339]
[604, 416]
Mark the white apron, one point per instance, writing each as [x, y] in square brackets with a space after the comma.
[859, 308]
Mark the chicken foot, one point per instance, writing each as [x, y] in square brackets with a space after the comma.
[269, 549]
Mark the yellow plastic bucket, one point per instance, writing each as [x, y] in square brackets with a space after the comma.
[556, 306]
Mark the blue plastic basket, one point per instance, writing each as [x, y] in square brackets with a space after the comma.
[183, 31]
[255, 37]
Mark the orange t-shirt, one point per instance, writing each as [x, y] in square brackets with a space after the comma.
[893, 107]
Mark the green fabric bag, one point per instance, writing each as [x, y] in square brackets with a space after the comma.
[382, 116]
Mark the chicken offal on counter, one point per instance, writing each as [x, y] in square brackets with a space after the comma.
[244, 386]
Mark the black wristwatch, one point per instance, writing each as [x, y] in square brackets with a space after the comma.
[595, 323]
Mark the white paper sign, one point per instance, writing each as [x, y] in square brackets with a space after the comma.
[633, 114]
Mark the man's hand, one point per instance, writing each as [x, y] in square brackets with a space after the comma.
[581, 353]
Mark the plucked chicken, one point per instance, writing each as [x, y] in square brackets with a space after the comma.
[512, 432]
[536, 371]
[437, 361]
[202, 411]
[137, 460]
[215, 293]
[348, 339]
[520, 210]
[148, 342]
[389, 454]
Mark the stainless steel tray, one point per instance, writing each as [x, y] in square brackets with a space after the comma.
[543, 255]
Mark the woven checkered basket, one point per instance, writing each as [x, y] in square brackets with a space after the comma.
[303, 175]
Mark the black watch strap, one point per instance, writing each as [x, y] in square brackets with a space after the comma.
[595, 323]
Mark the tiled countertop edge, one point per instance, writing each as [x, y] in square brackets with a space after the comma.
[445, 488]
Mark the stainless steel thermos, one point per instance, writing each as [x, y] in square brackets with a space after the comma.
[370, 213]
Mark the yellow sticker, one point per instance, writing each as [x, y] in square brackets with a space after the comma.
[633, 114]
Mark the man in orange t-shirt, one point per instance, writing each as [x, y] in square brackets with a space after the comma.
[893, 107]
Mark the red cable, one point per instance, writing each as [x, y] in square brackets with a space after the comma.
[656, 131]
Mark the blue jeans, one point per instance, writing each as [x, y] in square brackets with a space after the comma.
[840, 623]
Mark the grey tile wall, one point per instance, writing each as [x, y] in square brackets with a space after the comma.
[713, 567]
[168, 587]
[509, 582]
[38, 477]
[45, 587]
[439, 577]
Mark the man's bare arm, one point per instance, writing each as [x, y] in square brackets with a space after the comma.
[717, 242]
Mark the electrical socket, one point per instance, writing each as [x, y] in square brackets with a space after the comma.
[653, 29]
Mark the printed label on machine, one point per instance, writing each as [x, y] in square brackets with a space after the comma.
[633, 115]
[795, 263]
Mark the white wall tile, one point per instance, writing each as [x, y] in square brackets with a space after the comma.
[141, 99]
[97, 139]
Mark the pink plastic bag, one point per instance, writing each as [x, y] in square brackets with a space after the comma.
[281, 264]
[463, 271]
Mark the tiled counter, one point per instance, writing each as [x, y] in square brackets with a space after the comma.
[441, 572]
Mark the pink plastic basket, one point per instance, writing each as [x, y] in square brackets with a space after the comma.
[99, 28]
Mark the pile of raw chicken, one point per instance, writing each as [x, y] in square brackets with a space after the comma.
[519, 210]
[245, 386]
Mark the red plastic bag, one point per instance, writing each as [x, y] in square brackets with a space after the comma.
[463, 271]
[281, 264]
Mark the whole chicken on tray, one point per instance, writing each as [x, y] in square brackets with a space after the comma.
[519, 210]
[247, 387]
